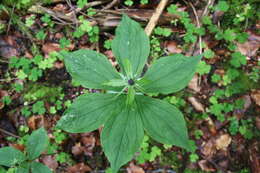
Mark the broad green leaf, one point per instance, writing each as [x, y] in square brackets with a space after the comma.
[37, 167]
[131, 43]
[88, 112]
[163, 121]
[169, 74]
[90, 69]
[10, 156]
[23, 168]
[37, 143]
[122, 136]
[116, 82]
[130, 95]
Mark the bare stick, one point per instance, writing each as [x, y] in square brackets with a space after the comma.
[155, 17]
[9, 133]
[205, 12]
[110, 5]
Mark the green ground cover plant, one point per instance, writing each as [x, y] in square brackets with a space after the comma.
[24, 162]
[125, 110]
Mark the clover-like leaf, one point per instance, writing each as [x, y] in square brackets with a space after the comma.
[90, 69]
[88, 112]
[37, 143]
[131, 43]
[10, 156]
[163, 121]
[122, 136]
[169, 74]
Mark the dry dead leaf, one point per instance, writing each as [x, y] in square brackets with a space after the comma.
[205, 166]
[134, 168]
[196, 104]
[194, 84]
[250, 47]
[58, 65]
[50, 47]
[223, 141]
[208, 149]
[88, 142]
[256, 96]
[34, 122]
[77, 149]
[254, 157]
[50, 161]
[18, 147]
[257, 122]
[7, 48]
[79, 168]
[172, 47]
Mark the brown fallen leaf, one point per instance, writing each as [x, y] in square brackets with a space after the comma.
[223, 141]
[79, 168]
[194, 84]
[205, 166]
[172, 47]
[18, 147]
[208, 149]
[250, 47]
[196, 104]
[255, 95]
[50, 47]
[77, 149]
[34, 122]
[7, 47]
[50, 161]
[88, 142]
[257, 122]
[254, 158]
[134, 168]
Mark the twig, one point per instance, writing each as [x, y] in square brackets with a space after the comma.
[110, 5]
[88, 5]
[205, 12]
[9, 133]
[9, 23]
[4, 61]
[198, 23]
[73, 12]
[155, 17]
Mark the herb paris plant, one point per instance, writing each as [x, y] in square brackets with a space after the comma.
[127, 115]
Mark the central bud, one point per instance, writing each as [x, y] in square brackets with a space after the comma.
[131, 82]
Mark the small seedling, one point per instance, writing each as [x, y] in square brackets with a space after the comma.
[25, 161]
[125, 110]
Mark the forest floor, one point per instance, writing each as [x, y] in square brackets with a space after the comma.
[221, 104]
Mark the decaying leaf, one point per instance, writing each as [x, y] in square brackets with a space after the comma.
[196, 104]
[134, 169]
[223, 141]
[205, 166]
[79, 168]
[208, 149]
[194, 83]
[172, 47]
[50, 47]
[256, 96]
[50, 162]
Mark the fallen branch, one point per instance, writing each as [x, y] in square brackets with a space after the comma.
[155, 17]
[9, 133]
